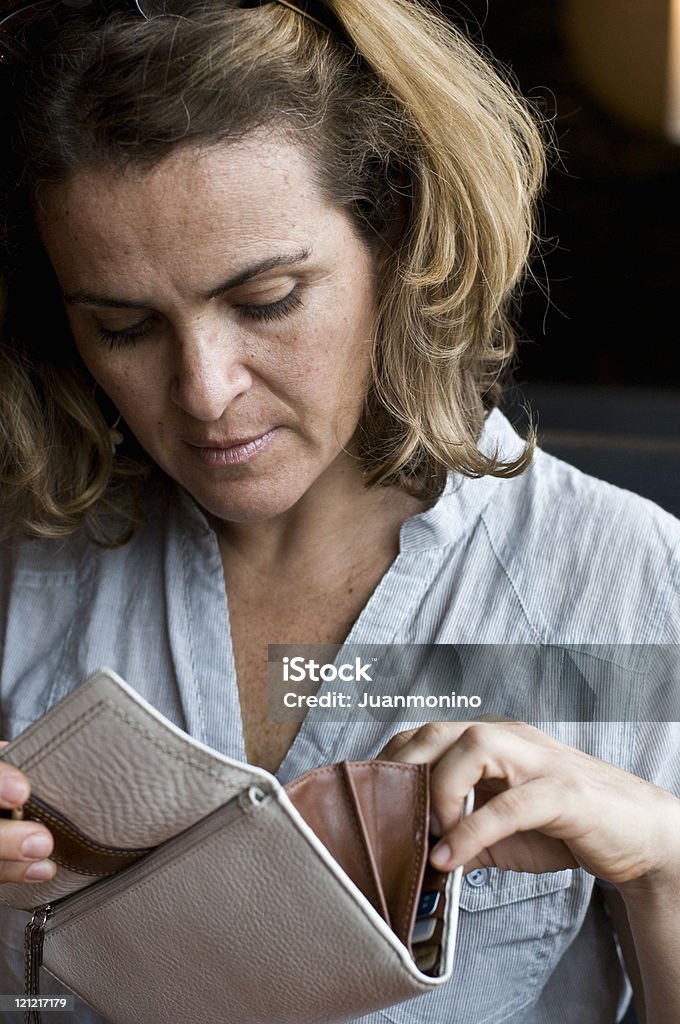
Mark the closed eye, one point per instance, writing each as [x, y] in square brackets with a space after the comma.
[128, 335]
[269, 311]
[273, 310]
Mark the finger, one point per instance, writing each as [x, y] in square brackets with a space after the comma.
[483, 752]
[38, 871]
[522, 809]
[391, 749]
[22, 845]
[15, 788]
[430, 742]
[24, 841]
[426, 744]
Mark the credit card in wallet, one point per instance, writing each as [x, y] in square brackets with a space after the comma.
[428, 904]
[423, 930]
[426, 958]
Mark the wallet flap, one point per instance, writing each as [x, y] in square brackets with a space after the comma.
[119, 777]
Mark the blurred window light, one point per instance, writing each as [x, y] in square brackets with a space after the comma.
[627, 53]
[673, 118]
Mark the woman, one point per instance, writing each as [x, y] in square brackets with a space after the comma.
[258, 264]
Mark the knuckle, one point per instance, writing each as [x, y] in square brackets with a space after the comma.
[400, 738]
[476, 737]
[434, 734]
[390, 752]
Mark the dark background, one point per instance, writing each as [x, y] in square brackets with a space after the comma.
[599, 360]
[612, 253]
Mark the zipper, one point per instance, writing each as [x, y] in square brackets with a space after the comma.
[33, 947]
[74, 904]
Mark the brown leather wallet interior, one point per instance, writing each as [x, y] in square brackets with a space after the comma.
[373, 817]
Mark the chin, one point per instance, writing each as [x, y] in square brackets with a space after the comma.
[239, 504]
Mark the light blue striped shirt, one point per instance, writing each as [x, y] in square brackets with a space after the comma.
[550, 557]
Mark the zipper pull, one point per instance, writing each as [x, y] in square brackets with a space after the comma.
[33, 948]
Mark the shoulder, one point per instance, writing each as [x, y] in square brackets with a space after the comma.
[54, 560]
[52, 579]
[587, 557]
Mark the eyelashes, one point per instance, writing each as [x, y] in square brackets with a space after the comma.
[115, 339]
[274, 310]
[270, 312]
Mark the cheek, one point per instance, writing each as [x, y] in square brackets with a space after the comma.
[134, 391]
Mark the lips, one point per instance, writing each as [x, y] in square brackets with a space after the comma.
[231, 451]
[222, 443]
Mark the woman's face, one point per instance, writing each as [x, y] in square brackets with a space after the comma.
[227, 310]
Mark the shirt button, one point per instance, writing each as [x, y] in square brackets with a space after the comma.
[478, 877]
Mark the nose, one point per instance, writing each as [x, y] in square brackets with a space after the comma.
[210, 372]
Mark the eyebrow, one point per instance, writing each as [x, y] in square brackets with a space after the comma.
[83, 298]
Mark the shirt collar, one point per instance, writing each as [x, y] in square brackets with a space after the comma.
[464, 498]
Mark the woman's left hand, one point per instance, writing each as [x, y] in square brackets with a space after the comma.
[539, 804]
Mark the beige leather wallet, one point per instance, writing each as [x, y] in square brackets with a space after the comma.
[193, 887]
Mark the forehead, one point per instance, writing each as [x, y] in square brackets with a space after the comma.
[233, 197]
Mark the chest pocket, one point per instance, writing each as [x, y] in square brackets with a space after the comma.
[512, 930]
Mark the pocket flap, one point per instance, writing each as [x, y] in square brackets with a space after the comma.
[498, 887]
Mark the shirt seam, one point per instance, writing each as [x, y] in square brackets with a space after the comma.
[506, 572]
[190, 635]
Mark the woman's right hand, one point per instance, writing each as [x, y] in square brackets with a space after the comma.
[21, 859]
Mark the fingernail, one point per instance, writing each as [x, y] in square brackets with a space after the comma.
[14, 791]
[41, 871]
[441, 855]
[36, 845]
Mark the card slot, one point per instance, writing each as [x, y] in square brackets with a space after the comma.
[326, 805]
[368, 848]
[384, 809]
[74, 849]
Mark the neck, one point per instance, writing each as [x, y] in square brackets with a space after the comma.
[345, 520]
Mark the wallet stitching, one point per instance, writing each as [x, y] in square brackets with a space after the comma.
[46, 815]
[63, 735]
[391, 766]
[151, 737]
[174, 752]
[74, 833]
[83, 871]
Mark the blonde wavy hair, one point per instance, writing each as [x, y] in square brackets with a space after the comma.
[408, 124]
